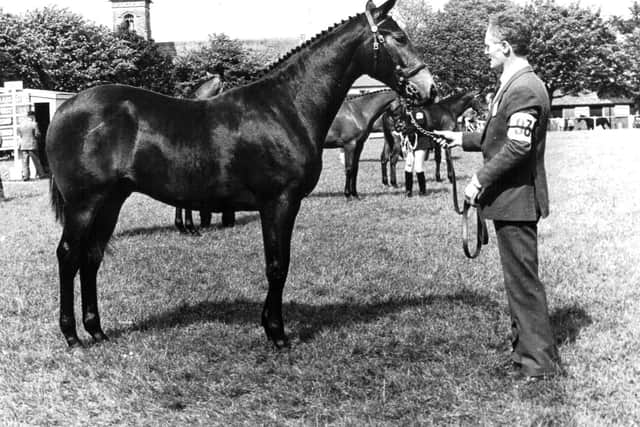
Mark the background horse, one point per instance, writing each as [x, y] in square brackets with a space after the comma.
[351, 128]
[442, 115]
[255, 147]
[210, 88]
[389, 124]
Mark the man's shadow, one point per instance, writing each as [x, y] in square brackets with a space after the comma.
[567, 323]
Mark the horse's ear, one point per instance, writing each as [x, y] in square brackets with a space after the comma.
[381, 11]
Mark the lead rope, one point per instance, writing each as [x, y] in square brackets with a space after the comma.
[482, 234]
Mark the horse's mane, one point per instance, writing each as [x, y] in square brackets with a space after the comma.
[360, 95]
[269, 68]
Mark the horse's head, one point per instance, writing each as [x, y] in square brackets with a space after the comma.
[388, 55]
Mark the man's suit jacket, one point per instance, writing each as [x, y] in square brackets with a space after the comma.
[29, 134]
[513, 177]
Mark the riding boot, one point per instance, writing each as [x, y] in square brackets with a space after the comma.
[422, 185]
[408, 183]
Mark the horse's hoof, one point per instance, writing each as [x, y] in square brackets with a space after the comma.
[194, 232]
[73, 341]
[99, 336]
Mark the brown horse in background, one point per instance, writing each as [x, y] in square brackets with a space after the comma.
[442, 115]
[255, 147]
[210, 88]
[351, 128]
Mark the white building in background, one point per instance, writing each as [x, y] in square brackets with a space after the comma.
[15, 103]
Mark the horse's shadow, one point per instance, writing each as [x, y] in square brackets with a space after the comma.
[316, 317]
[147, 231]
[362, 196]
[566, 322]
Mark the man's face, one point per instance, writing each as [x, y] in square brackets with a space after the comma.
[495, 49]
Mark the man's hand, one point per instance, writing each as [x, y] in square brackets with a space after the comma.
[449, 139]
[472, 190]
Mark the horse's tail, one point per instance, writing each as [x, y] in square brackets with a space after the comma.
[57, 202]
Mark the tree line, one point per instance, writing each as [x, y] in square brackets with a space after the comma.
[573, 48]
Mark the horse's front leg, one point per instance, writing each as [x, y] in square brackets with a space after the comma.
[437, 155]
[354, 168]
[277, 218]
[384, 159]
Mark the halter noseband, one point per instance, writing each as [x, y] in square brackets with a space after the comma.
[401, 75]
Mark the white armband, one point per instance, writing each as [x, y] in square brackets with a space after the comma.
[521, 127]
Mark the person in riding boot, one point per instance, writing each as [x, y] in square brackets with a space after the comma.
[511, 189]
[415, 146]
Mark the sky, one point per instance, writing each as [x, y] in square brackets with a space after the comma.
[186, 20]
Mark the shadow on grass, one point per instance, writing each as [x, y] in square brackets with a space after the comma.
[313, 318]
[567, 323]
[389, 192]
[170, 228]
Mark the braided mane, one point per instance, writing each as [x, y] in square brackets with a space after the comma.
[304, 45]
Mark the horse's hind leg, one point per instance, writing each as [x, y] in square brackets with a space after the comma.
[277, 224]
[72, 250]
[349, 149]
[178, 221]
[101, 232]
[205, 218]
[228, 218]
[392, 169]
[188, 222]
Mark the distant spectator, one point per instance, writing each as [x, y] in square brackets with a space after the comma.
[2, 198]
[571, 124]
[28, 135]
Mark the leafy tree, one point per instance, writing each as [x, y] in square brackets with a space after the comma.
[572, 48]
[452, 42]
[627, 81]
[190, 69]
[56, 49]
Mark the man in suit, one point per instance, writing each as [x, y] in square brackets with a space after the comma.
[511, 189]
[28, 135]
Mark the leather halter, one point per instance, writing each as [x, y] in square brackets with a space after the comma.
[401, 75]
[482, 234]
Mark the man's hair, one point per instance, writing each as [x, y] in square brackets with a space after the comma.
[511, 25]
[31, 114]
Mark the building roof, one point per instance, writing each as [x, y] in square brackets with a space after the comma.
[588, 99]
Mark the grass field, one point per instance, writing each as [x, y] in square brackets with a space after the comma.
[390, 323]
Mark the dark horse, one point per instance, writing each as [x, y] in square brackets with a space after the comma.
[210, 88]
[351, 128]
[442, 115]
[255, 147]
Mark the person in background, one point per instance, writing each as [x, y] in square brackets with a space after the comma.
[2, 198]
[511, 189]
[28, 135]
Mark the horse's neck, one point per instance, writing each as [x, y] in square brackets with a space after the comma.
[370, 107]
[318, 77]
[458, 105]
